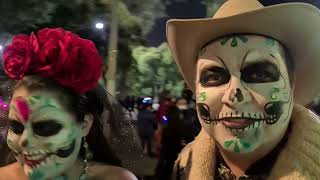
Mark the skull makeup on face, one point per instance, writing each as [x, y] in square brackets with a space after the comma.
[45, 138]
[248, 98]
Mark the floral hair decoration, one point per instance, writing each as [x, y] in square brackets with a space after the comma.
[58, 54]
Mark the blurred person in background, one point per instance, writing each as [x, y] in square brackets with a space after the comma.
[181, 128]
[146, 125]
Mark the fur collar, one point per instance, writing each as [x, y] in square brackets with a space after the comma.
[299, 159]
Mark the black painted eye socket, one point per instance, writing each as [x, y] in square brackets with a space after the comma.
[260, 73]
[46, 128]
[214, 76]
[16, 127]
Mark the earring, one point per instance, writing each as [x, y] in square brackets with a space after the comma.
[85, 159]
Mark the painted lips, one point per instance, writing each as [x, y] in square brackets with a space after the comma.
[237, 123]
[36, 160]
[34, 163]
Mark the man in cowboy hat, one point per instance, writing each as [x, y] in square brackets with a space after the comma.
[252, 69]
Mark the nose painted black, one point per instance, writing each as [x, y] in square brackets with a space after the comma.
[236, 94]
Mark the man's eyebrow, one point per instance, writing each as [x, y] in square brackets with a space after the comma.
[224, 64]
[261, 64]
[264, 62]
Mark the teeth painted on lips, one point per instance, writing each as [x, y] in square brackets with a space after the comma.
[45, 161]
[36, 152]
[235, 115]
[35, 157]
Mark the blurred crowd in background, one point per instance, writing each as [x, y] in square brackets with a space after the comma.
[165, 126]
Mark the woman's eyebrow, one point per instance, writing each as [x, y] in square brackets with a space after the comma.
[12, 119]
[15, 121]
[48, 121]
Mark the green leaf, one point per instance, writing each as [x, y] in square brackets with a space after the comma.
[234, 42]
[224, 40]
[246, 145]
[236, 147]
[228, 143]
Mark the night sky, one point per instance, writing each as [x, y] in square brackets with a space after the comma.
[194, 9]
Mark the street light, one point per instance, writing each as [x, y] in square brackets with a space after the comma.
[99, 25]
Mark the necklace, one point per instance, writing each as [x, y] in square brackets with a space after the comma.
[225, 173]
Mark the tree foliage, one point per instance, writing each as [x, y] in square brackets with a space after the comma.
[147, 11]
[153, 71]
[24, 15]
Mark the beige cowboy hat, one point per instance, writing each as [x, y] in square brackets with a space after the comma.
[295, 25]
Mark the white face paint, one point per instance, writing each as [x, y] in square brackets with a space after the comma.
[244, 98]
[44, 136]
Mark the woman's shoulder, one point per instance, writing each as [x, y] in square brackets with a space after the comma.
[99, 171]
[12, 171]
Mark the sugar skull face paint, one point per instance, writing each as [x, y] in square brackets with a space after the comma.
[45, 137]
[248, 99]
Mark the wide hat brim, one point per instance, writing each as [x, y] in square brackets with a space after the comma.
[295, 25]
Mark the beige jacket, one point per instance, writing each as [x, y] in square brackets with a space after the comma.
[300, 158]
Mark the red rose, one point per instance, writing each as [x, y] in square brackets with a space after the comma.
[50, 41]
[80, 65]
[47, 33]
[17, 57]
[57, 54]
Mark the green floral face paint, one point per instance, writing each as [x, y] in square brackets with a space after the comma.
[274, 93]
[244, 99]
[237, 145]
[53, 136]
[243, 143]
[270, 42]
[202, 97]
[37, 175]
[235, 39]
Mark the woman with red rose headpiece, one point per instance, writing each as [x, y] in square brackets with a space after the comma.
[56, 112]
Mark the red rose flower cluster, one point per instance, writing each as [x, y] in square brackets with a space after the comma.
[57, 54]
